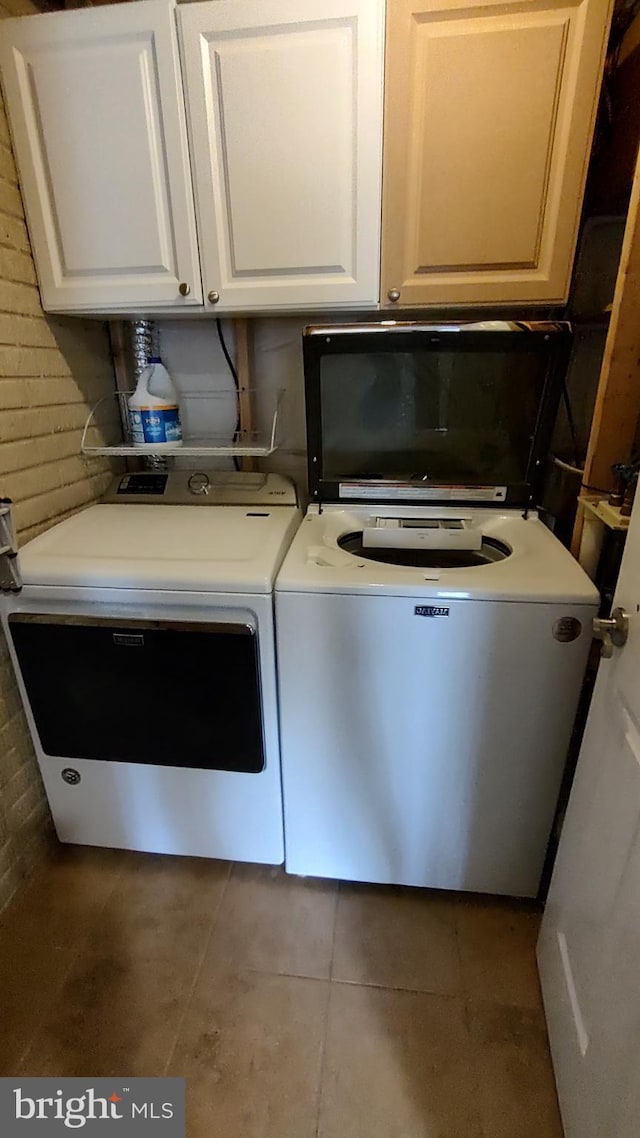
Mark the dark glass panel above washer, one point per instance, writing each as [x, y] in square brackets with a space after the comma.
[440, 407]
[440, 416]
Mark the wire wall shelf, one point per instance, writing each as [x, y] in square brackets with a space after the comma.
[209, 423]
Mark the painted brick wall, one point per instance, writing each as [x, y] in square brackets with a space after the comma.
[51, 371]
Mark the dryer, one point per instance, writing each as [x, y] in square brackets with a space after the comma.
[432, 633]
[143, 644]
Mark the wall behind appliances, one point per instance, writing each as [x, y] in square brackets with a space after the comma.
[51, 371]
[191, 351]
[278, 365]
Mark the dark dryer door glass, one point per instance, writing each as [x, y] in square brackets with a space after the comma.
[160, 692]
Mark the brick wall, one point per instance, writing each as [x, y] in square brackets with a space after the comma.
[51, 371]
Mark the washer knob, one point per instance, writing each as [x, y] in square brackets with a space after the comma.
[199, 483]
[394, 294]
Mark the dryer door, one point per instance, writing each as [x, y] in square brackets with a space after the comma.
[167, 693]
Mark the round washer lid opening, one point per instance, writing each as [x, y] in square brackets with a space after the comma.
[491, 551]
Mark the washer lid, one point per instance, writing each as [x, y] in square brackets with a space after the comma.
[406, 412]
[232, 549]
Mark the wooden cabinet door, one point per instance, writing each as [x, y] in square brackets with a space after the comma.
[490, 108]
[96, 112]
[284, 101]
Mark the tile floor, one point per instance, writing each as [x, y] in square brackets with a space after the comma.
[295, 1008]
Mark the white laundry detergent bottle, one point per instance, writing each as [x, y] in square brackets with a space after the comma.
[154, 413]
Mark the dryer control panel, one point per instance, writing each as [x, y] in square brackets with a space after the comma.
[202, 488]
[132, 485]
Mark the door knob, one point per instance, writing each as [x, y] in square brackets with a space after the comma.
[184, 289]
[612, 630]
[213, 297]
[394, 294]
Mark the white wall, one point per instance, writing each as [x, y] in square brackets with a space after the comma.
[191, 351]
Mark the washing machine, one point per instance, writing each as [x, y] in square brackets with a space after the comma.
[432, 633]
[143, 643]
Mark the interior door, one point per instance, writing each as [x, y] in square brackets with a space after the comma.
[97, 117]
[489, 113]
[285, 115]
[590, 940]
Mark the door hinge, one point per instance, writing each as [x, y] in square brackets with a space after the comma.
[10, 581]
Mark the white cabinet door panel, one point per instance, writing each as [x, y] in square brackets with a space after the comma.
[489, 116]
[285, 103]
[95, 106]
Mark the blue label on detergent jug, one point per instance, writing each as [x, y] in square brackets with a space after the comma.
[161, 425]
[137, 431]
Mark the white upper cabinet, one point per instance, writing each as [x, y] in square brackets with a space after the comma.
[264, 191]
[96, 110]
[284, 103]
[490, 108]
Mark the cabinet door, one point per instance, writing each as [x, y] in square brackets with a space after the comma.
[489, 118]
[95, 104]
[285, 114]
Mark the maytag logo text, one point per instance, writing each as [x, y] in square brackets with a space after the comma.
[431, 610]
